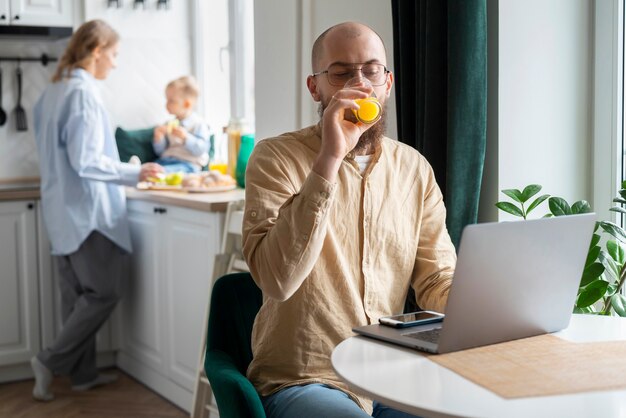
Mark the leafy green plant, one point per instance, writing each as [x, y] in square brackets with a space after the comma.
[605, 268]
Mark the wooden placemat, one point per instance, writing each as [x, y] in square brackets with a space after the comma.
[541, 366]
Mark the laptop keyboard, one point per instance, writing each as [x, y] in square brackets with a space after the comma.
[431, 335]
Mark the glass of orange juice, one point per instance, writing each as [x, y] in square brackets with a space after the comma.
[370, 110]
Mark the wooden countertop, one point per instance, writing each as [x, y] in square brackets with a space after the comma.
[21, 188]
[28, 189]
[28, 194]
[210, 202]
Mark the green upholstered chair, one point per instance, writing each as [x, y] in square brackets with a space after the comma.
[235, 301]
[135, 142]
[139, 142]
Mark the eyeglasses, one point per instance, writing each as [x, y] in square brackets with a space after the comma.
[339, 74]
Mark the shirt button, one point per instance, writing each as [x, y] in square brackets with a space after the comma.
[253, 213]
[305, 237]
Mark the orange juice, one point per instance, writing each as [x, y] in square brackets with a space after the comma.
[369, 110]
[221, 167]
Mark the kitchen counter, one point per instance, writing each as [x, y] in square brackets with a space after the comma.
[208, 202]
[28, 188]
[19, 189]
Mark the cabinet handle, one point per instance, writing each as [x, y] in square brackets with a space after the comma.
[17, 17]
[3, 17]
[30, 206]
[160, 210]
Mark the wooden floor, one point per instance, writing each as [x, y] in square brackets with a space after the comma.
[125, 398]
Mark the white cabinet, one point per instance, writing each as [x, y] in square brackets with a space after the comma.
[36, 12]
[19, 294]
[164, 305]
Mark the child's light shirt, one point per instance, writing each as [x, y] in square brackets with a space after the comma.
[196, 147]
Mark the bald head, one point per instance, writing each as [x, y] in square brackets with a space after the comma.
[344, 31]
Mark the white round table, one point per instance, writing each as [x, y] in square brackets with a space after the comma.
[406, 380]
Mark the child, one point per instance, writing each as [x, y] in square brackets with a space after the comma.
[182, 144]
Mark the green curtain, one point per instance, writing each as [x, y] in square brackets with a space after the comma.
[440, 66]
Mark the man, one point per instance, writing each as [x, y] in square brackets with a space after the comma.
[340, 222]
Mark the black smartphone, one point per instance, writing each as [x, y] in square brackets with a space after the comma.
[411, 319]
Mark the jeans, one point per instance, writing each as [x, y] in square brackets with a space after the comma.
[317, 400]
[172, 165]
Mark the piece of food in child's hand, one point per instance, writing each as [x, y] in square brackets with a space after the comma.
[174, 123]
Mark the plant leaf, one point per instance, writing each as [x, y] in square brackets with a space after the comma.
[591, 273]
[513, 194]
[510, 208]
[582, 206]
[592, 256]
[537, 202]
[614, 230]
[595, 239]
[619, 200]
[616, 251]
[622, 193]
[592, 293]
[618, 209]
[618, 302]
[529, 191]
[559, 207]
[610, 268]
[586, 310]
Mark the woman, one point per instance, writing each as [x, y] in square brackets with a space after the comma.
[84, 206]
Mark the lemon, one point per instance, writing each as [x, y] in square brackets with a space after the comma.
[174, 179]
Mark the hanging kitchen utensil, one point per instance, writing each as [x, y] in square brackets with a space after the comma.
[20, 113]
[3, 114]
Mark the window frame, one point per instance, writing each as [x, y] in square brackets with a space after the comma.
[608, 106]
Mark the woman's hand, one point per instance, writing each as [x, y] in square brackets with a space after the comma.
[150, 170]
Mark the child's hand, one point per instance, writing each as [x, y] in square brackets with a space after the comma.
[180, 133]
[159, 133]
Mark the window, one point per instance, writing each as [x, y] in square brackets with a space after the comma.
[608, 144]
[224, 61]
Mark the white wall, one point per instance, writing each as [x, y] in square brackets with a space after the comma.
[155, 48]
[282, 56]
[544, 92]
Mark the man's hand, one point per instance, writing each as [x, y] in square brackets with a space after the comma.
[150, 170]
[179, 134]
[159, 133]
[340, 130]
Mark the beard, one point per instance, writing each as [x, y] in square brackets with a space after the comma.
[371, 137]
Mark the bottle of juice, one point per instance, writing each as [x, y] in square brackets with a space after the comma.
[219, 157]
[233, 132]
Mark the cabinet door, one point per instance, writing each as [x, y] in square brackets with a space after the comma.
[42, 12]
[5, 12]
[191, 241]
[19, 296]
[143, 334]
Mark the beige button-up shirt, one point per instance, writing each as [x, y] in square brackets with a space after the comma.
[330, 257]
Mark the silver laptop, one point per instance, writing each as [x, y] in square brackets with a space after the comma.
[512, 280]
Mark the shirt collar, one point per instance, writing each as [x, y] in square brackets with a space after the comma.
[82, 74]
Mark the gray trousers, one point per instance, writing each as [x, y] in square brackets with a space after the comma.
[91, 282]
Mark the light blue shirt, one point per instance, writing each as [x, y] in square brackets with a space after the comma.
[81, 172]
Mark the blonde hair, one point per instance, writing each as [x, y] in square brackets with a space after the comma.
[89, 36]
[187, 86]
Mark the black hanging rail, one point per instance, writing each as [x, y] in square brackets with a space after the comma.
[44, 59]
